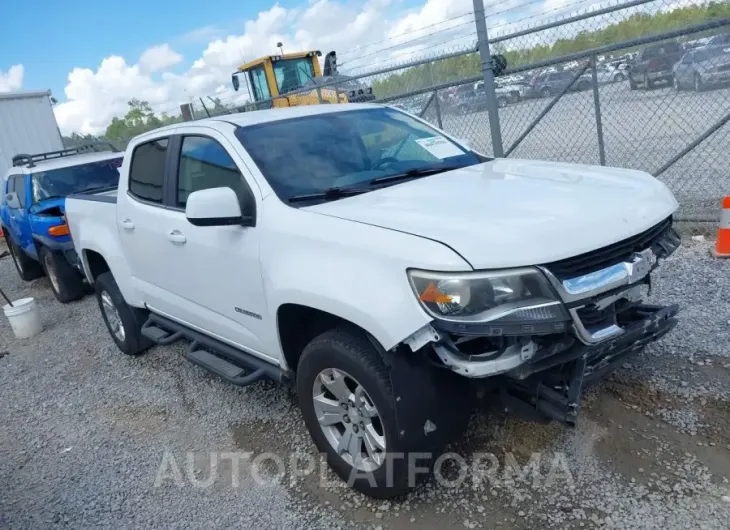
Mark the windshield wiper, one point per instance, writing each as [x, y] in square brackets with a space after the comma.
[414, 173]
[329, 194]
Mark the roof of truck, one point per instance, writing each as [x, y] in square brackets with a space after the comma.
[245, 119]
[66, 161]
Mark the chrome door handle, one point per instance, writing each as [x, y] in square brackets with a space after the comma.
[176, 236]
[127, 224]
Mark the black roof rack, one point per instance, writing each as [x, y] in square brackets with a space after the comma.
[30, 160]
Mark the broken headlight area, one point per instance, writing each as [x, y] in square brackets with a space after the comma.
[501, 297]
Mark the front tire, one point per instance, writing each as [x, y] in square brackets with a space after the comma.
[619, 78]
[348, 405]
[501, 102]
[123, 322]
[66, 282]
[28, 269]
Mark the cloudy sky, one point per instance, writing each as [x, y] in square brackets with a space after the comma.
[96, 56]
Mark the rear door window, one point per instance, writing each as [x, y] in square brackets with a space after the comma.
[19, 189]
[147, 170]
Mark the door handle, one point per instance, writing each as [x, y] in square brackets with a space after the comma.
[175, 236]
[127, 224]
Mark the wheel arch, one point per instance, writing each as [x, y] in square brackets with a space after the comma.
[94, 264]
[297, 324]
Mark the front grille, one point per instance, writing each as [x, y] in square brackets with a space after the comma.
[662, 239]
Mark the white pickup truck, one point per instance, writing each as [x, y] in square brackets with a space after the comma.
[380, 266]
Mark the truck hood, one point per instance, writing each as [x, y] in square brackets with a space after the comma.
[510, 212]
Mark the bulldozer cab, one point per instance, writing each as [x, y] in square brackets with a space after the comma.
[281, 80]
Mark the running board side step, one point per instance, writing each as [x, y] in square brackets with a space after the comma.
[231, 364]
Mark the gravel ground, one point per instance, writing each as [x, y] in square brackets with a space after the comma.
[86, 431]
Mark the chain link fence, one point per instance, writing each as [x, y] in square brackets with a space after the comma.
[643, 84]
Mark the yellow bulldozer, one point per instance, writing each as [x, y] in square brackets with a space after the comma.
[284, 80]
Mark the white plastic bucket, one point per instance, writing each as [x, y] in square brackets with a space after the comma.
[24, 317]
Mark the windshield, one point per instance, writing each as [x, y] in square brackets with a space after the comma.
[292, 74]
[74, 179]
[302, 156]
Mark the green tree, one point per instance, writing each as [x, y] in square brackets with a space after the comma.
[139, 119]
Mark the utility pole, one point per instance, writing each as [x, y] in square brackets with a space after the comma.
[488, 72]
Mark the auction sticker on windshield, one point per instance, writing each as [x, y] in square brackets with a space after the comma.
[439, 147]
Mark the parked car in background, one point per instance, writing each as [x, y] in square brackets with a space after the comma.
[723, 39]
[32, 212]
[506, 95]
[654, 64]
[519, 89]
[473, 98]
[702, 68]
[610, 73]
[546, 85]
[310, 245]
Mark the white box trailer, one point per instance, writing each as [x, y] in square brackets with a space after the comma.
[27, 125]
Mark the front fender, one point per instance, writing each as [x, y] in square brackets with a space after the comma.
[355, 271]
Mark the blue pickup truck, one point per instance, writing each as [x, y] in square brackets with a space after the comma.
[32, 208]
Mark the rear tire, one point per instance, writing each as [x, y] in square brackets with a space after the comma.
[501, 102]
[123, 322]
[66, 282]
[28, 268]
[344, 354]
[619, 78]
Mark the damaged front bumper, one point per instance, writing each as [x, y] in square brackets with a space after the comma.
[543, 368]
[552, 385]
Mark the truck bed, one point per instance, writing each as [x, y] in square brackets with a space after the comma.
[101, 196]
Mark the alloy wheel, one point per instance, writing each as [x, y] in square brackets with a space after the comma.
[51, 272]
[349, 419]
[112, 316]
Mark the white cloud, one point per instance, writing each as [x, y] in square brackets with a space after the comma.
[95, 97]
[159, 58]
[13, 79]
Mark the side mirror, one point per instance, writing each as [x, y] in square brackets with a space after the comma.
[216, 207]
[12, 201]
[235, 81]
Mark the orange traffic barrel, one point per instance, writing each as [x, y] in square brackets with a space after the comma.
[722, 247]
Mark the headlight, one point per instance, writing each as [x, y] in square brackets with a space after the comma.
[516, 295]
